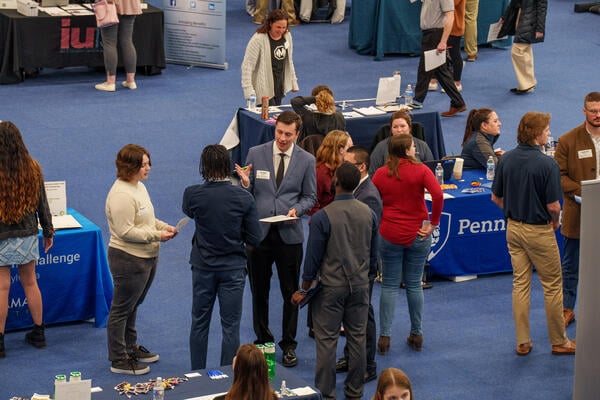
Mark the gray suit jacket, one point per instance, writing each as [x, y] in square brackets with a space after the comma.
[368, 194]
[297, 190]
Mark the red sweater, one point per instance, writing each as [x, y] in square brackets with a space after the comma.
[325, 193]
[404, 206]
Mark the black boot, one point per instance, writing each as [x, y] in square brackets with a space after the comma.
[2, 352]
[36, 337]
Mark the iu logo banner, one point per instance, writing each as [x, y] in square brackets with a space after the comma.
[440, 235]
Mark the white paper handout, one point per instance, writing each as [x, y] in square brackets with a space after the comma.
[433, 59]
[494, 31]
[369, 111]
[182, 222]
[277, 218]
[56, 193]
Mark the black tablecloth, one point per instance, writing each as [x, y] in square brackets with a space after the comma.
[253, 130]
[27, 43]
[203, 385]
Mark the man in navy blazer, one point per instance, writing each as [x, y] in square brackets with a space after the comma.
[281, 243]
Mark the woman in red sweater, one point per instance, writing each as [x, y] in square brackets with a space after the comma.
[405, 232]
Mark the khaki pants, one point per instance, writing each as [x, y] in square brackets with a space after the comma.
[535, 245]
[522, 60]
[471, 12]
[262, 6]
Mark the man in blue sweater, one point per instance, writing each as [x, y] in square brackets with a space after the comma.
[226, 218]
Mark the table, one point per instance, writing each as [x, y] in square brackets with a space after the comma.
[73, 277]
[253, 130]
[204, 386]
[28, 43]
[379, 27]
[471, 238]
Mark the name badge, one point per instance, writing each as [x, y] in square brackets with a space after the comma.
[584, 153]
[262, 174]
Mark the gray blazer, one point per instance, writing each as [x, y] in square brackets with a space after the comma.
[297, 190]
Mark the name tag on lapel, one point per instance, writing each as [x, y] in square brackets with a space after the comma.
[584, 153]
[262, 174]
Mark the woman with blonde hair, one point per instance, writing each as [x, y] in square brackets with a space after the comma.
[330, 155]
[325, 119]
[22, 202]
[250, 376]
[393, 384]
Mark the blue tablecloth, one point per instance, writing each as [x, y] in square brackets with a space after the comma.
[379, 27]
[253, 130]
[204, 386]
[471, 238]
[73, 277]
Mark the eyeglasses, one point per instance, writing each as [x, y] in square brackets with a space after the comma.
[597, 112]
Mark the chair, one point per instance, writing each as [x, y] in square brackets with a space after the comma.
[417, 130]
[311, 143]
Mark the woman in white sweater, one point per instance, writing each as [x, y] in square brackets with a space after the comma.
[268, 66]
[135, 236]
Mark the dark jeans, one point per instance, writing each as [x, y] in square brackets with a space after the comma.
[132, 277]
[430, 40]
[228, 286]
[287, 259]
[570, 271]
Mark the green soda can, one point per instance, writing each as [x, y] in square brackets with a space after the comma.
[270, 357]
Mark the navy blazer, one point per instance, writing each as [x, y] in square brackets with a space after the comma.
[368, 194]
[298, 189]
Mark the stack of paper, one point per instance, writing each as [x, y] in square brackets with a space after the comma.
[368, 111]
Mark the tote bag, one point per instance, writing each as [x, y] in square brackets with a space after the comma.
[106, 13]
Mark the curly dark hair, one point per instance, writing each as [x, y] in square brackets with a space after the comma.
[21, 176]
[215, 162]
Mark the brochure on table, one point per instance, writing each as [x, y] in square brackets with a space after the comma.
[56, 193]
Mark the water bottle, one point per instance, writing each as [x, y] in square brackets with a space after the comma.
[439, 173]
[490, 169]
[252, 102]
[158, 392]
[550, 146]
[408, 95]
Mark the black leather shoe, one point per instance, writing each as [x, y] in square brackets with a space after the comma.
[341, 365]
[289, 358]
[522, 91]
[370, 376]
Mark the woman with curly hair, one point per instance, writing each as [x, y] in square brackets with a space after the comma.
[330, 155]
[22, 202]
[393, 384]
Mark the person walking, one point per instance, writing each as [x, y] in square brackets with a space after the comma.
[22, 202]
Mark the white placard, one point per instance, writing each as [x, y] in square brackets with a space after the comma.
[56, 192]
[433, 59]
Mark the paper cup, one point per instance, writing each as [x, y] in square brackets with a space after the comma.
[458, 168]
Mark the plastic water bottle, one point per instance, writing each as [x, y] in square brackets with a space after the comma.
[439, 173]
[490, 169]
[550, 146]
[252, 102]
[158, 392]
[408, 95]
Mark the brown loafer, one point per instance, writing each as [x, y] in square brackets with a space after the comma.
[454, 110]
[415, 341]
[383, 344]
[564, 349]
[471, 57]
[524, 348]
[568, 316]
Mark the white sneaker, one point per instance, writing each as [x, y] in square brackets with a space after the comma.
[433, 86]
[458, 87]
[106, 87]
[131, 85]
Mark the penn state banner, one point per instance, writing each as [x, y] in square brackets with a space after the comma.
[195, 32]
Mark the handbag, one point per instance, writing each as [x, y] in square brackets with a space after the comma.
[106, 13]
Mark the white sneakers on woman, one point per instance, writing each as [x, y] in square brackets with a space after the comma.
[111, 87]
[130, 85]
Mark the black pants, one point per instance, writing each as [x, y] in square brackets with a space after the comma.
[287, 258]
[431, 38]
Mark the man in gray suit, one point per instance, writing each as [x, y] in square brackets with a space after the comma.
[282, 178]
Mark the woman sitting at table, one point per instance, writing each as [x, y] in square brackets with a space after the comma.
[393, 384]
[250, 376]
[400, 124]
[329, 156]
[405, 235]
[481, 132]
[327, 118]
